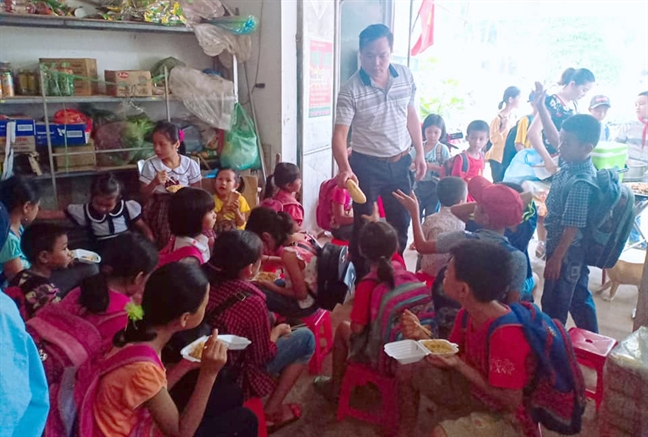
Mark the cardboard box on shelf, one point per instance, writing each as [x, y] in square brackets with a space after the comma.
[85, 161]
[128, 83]
[84, 67]
[75, 133]
[25, 135]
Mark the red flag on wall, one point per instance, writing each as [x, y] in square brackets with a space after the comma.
[426, 39]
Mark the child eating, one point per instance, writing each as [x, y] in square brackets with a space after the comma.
[231, 208]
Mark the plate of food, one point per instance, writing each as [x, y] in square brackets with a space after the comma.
[86, 256]
[439, 347]
[193, 351]
[174, 188]
[266, 277]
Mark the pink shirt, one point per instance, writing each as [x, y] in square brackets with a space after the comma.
[290, 206]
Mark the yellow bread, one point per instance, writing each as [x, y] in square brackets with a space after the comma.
[354, 191]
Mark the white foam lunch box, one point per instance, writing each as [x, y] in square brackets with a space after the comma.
[233, 342]
[412, 351]
[86, 256]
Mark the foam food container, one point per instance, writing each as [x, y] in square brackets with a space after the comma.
[232, 342]
[86, 256]
[406, 351]
[453, 346]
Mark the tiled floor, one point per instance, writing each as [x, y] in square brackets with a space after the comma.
[319, 416]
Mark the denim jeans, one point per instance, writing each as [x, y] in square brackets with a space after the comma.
[570, 292]
[380, 178]
[297, 347]
[426, 193]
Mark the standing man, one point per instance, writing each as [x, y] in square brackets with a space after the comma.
[378, 104]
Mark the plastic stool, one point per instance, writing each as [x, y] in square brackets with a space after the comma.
[359, 375]
[320, 324]
[591, 351]
[256, 406]
[339, 242]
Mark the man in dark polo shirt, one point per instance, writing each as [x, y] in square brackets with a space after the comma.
[378, 104]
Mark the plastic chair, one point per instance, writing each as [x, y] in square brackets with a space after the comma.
[321, 327]
[359, 375]
[256, 406]
[591, 351]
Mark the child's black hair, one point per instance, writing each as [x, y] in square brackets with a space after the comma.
[17, 191]
[375, 32]
[378, 242]
[584, 127]
[485, 267]
[237, 176]
[451, 190]
[579, 76]
[187, 210]
[39, 237]
[125, 256]
[278, 224]
[477, 126]
[284, 173]
[509, 93]
[172, 131]
[171, 291]
[233, 251]
[435, 120]
[106, 184]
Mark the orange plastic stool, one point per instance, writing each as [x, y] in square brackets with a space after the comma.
[591, 351]
[359, 375]
[256, 406]
[321, 327]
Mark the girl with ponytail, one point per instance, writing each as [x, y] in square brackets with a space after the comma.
[174, 300]
[499, 129]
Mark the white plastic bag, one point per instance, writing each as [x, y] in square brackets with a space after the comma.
[522, 167]
[215, 40]
[196, 10]
[210, 98]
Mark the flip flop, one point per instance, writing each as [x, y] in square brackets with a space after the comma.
[275, 419]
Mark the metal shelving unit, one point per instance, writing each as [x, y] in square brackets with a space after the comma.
[54, 22]
[30, 100]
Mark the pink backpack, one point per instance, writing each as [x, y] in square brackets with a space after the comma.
[65, 341]
[324, 212]
[168, 255]
[79, 391]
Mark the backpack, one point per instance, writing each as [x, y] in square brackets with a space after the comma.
[16, 294]
[78, 393]
[387, 305]
[65, 342]
[324, 212]
[610, 222]
[509, 146]
[556, 395]
[168, 255]
[448, 165]
[335, 274]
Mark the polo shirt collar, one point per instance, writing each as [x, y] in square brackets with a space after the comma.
[366, 80]
[579, 166]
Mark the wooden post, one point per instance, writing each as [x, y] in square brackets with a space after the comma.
[641, 318]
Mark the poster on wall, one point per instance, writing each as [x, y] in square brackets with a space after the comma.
[320, 86]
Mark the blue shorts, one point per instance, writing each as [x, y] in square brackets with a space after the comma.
[295, 348]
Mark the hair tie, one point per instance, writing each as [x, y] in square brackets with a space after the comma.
[180, 135]
[134, 312]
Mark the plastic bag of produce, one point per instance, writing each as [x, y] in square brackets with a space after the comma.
[215, 40]
[196, 10]
[241, 151]
[210, 98]
[130, 134]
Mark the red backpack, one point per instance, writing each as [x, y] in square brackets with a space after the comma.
[16, 294]
[324, 212]
[65, 341]
[168, 255]
[448, 165]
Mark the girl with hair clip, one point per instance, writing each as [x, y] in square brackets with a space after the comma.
[166, 172]
[387, 280]
[272, 364]
[132, 394]
[282, 191]
[298, 257]
[499, 129]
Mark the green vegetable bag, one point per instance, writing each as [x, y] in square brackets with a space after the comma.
[240, 151]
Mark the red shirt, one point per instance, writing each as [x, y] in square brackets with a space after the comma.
[250, 319]
[290, 206]
[504, 360]
[475, 168]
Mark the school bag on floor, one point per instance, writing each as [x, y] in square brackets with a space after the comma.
[168, 255]
[610, 218]
[324, 212]
[65, 341]
[387, 305]
[555, 396]
[448, 165]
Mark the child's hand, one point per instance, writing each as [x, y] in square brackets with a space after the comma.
[214, 355]
[410, 202]
[411, 327]
[279, 331]
[161, 177]
[375, 215]
[552, 268]
[444, 361]
[539, 95]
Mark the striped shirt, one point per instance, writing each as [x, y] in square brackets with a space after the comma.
[377, 116]
[568, 203]
[634, 135]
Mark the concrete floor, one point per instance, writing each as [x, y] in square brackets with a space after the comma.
[319, 416]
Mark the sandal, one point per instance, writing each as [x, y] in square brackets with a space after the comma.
[275, 421]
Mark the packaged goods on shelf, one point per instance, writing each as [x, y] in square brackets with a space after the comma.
[87, 161]
[85, 69]
[25, 134]
[75, 134]
[128, 83]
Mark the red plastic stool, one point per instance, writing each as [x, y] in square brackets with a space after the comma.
[320, 324]
[591, 351]
[339, 242]
[424, 277]
[359, 375]
[256, 406]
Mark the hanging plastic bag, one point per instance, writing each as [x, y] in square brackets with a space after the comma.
[196, 10]
[522, 167]
[241, 151]
[214, 40]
